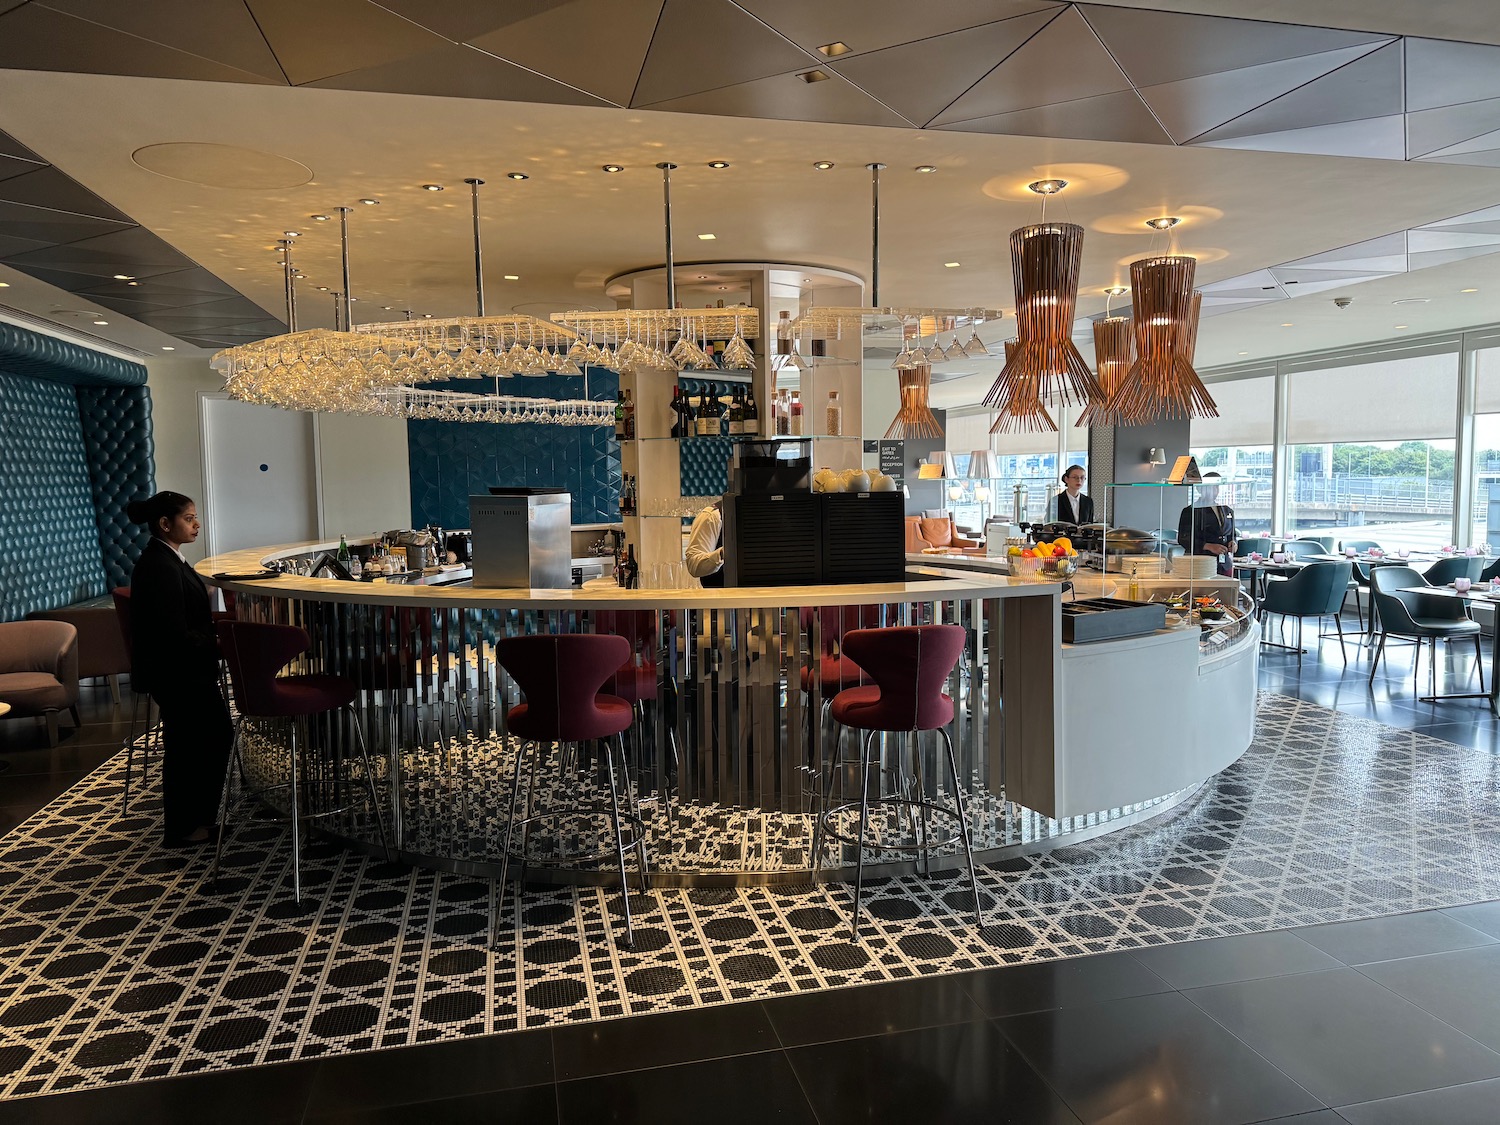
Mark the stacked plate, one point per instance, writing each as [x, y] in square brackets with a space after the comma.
[1195, 566]
[1142, 566]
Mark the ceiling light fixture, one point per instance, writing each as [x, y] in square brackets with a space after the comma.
[291, 234]
[168, 348]
[4, 285]
[718, 164]
[707, 237]
[952, 265]
[370, 202]
[319, 218]
[1399, 327]
[925, 168]
[1468, 290]
[385, 308]
[1166, 222]
[1161, 382]
[432, 187]
[811, 76]
[613, 168]
[132, 283]
[512, 277]
[124, 277]
[1046, 187]
[822, 165]
[101, 321]
[834, 50]
[1286, 324]
[1117, 290]
[517, 176]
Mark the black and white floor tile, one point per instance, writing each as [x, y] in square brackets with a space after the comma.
[119, 961]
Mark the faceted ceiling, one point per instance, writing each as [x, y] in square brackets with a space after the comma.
[1191, 78]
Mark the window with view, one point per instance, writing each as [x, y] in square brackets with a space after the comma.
[1238, 446]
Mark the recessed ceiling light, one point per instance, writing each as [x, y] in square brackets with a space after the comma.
[707, 237]
[132, 283]
[1411, 301]
[369, 202]
[432, 187]
[517, 176]
[1286, 324]
[101, 322]
[426, 316]
[614, 168]
[1166, 222]
[833, 50]
[512, 277]
[718, 164]
[292, 233]
[1399, 327]
[1468, 290]
[1242, 353]
[319, 218]
[4, 285]
[1117, 290]
[723, 287]
[811, 76]
[822, 165]
[168, 348]
[124, 276]
[925, 168]
[952, 265]
[1047, 187]
[322, 289]
[385, 308]
[703, 277]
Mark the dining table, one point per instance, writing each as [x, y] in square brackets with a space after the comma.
[1478, 593]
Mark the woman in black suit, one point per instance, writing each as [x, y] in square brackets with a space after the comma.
[1071, 505]
[175, 657]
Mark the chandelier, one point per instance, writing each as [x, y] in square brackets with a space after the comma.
[1161, 383]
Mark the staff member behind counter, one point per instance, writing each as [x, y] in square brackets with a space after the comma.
[1071, 505]
[705, 549]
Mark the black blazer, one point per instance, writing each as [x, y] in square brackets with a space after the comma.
[1197, 526]
[1062, 508]
[172, 628]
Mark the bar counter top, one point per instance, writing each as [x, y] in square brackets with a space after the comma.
[923, 583]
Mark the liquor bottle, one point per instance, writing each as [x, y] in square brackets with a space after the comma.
[620, 416]
[736, 413]
[796, 415]
[752, 413]
[675, 406]
[632, 569]
[708, 413]
[624, 494]
[619, 566]
[629, 418]
[784, 343]
[343, 555]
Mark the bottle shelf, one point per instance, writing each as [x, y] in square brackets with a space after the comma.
[755, 437]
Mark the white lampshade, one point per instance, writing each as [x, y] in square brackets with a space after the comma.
[945, 462]
[981, 465]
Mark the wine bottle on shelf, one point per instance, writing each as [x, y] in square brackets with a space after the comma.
[736, 413]
[752, 413]
[620, 416]
[784, 342]
[624, 494]
[632, 569]
[708, 413]
[619, 566]
[675, 406]
[343, 553]
[629, 418]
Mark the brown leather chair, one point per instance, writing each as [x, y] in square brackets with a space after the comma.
[935, 531]
[102, 652]
[39, 671]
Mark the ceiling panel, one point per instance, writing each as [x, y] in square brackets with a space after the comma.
[703, 44]
[15, 166]
[47, 187]
[10, 244]
[134, 245]
[463, 20]
[1441, 73]
[1193, 106]
[1453, 129]
[319, 40]
[1063, 62]
[1383, 138]
[457, 71]
[787, 97]
[38, 38]
[221, 30]
[613, 35]
[872, 25]
[1157, 47]
[11, 147]
[1121, 117]
[50, 226]
[919, 80]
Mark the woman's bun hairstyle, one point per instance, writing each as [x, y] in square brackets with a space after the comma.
[164, 505]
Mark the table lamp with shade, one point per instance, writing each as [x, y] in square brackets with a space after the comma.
[982, 471]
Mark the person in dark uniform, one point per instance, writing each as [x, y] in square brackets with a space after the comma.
[1206, 527]
[704, 555]
[1071, 505]
[175, 657]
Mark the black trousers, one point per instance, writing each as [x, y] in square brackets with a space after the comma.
[197, 734]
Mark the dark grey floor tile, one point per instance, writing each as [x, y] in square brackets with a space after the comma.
[1316, 1117]
[1344, 1037]
[1475, 1104]
[1481, 915]
[1193, 964]
[961, 1073]
[1483, 735]
[24, 788]
[1399, 935]
[1153, 1060]
[844, 1013]
[1068, 983]
[1460, 988]
[263, 1095]
[748, 1089]
[438, 1070]
[533, 1105]
[611, 1046]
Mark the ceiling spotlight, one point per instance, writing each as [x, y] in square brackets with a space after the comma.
[369, 202]
[292, 233]
[1243, 353]
[319, 218]
[833, 50]
[925, 168]
[385, 308]
[1166, 222]
[322, 289]
[517, 176]
[703, 277]
[512, 277]
[1047, 187]
[124, 277]
[1399, 327]
[811, 76]
[723, 287]
[614, 168]
[4, 285]
[1468, 290]
[1117, 290]
[822, 165]
[952, 265]
[1286, 324]
[132, 283]
[168, 348]
[101, 321]
[432, 187]
[718, 164]
[707, 237]
[426, 316]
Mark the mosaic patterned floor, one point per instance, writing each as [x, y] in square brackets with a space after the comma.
[118, 962]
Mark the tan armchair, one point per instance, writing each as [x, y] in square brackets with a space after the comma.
[39, 671]
[935, 531]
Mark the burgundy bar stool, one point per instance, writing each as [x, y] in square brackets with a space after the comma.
[121, 595]
[255, 652]
[560, 676]
[909, 665]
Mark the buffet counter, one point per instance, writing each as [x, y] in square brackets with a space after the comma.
[732, 736]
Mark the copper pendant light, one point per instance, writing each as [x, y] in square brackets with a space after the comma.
[915, 419]
[1161, 383]
[1045, 261]
[1114, 352]
[1023, 417]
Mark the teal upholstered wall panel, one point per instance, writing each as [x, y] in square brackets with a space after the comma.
[48, 533]
[116, 423]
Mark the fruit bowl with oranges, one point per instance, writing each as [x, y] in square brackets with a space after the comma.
[1056, 561]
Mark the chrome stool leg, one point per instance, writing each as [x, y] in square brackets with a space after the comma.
[296, 818]
[614, 804]
[864, 826]
[235, 763]
[635, 812]
[364, 754]
[510, 824]
[963, 826]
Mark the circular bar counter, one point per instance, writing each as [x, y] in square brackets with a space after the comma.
[731, 735]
